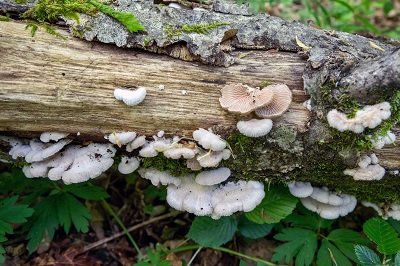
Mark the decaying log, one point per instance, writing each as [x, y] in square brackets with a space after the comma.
[47, 83]
[50, 84]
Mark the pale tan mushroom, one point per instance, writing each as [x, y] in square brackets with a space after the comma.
[239, 98]
[282, 97]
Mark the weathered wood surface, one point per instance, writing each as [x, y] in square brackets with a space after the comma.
[47, 83]
[50, 84]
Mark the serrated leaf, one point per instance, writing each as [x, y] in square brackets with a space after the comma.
[87, 191]
[397, 259]
[383, 235]
[60, 209]
[324, 256]
[302, 244]
[276, 205]
[335, 255]
[366, 257]
[307, 219]
[212, 233]
[345, 239]
[253, 230]
[12, 213]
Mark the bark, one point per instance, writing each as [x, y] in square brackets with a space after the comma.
[49, 84]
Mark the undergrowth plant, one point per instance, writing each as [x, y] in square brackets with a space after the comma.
[348, 16]
[42, 206]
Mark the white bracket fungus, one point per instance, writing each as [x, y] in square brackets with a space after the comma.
[300, 189]
[128, 165]
[130, 97]
[40, 151]
[213, 158]
[368, 169]
[74, 165]
[178, 152]
[381, 141]
[156, 177]
[213, 177]
[370, 116]
[191, 197]
[55, 136]
[255, 128]
[209, 140]
[121, 138]
[136, 143]
[233, 197]
[148, 150]
[327, 204]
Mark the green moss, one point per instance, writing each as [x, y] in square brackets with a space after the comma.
[346, 104]
[174, 167]
[4, 18]
[45, 12]
[201, 28]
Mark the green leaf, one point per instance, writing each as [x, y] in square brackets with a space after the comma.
[87, 191]
[397, 259]
[276, 205]
[345, 239]
[253, 230]
[125, 18]
[307, 219]
[328, 254]
[12, 213]
[324, 255]
[60, 209]
[383, 235]
[212, 233]
[302, 244]
[366, 257]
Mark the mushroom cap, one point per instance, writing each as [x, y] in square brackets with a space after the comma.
[130, 97]
[255, 128]
[190, 196]
[239, 98]
[136, 143]
[41, 152]
[282, 97]
[56, 136]
[371, 172]
[300, 189]
[128, 165]
[209, 140]
[156, 176]
[178, 152]
[213, 177]
[121, 138]
[239, 196]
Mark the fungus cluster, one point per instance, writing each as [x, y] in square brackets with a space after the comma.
[381, 141]
[267, 103]
[385, 211]
[368, 117]
[368, 169]
[60, 161]
[328, 204]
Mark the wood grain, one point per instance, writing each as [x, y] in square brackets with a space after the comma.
[47, 83]
[50, 84]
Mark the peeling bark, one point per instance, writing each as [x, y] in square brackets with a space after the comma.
[76, 79]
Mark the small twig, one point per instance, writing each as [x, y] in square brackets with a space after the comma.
[194, 256]
[130, 229]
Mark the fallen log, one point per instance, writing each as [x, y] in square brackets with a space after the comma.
[50, 84]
